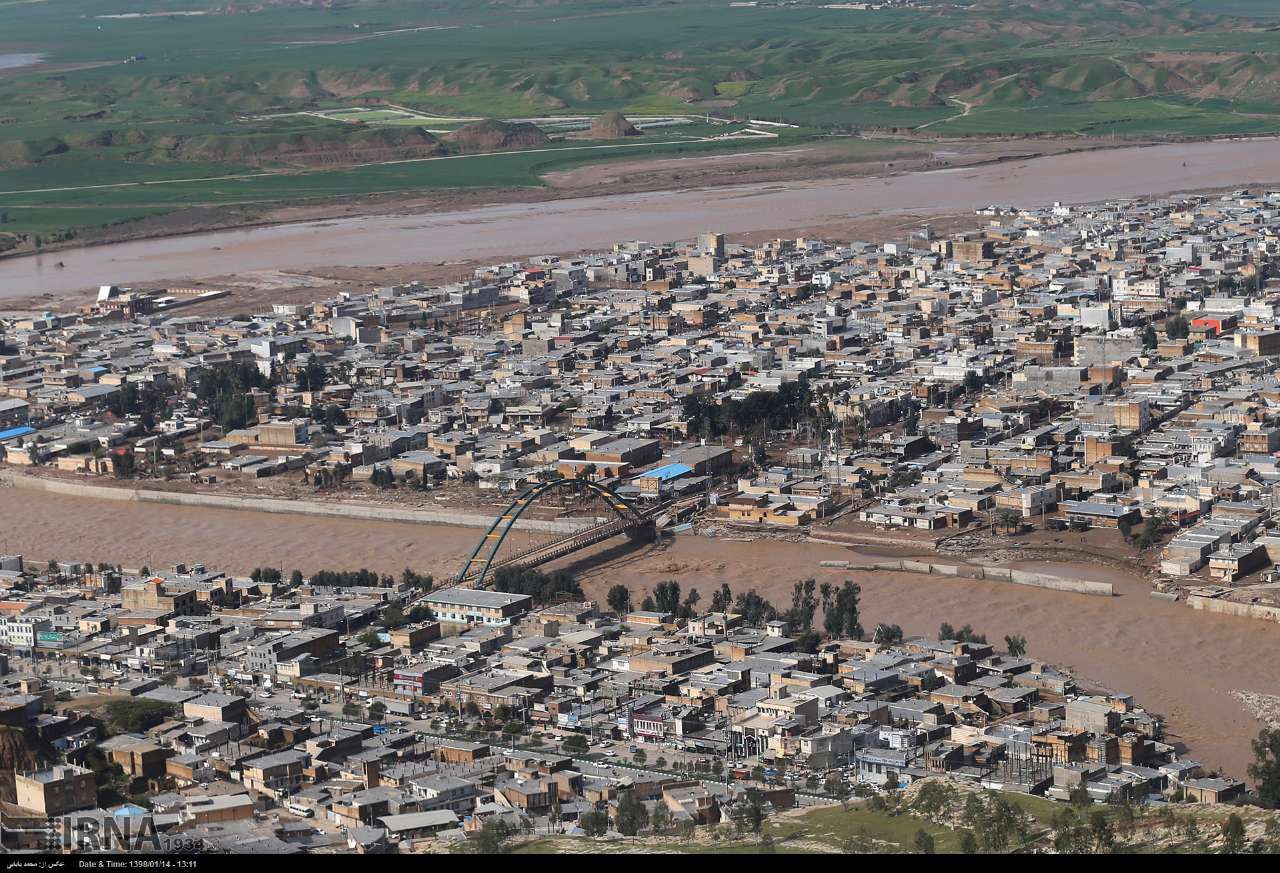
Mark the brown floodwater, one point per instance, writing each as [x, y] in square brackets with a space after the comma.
[1178, 662]
[511, 230]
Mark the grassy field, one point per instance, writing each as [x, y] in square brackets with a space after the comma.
[50, 198]
[97, 93]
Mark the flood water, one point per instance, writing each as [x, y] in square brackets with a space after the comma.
[1176, 661]
[505, 231]
[16, 61]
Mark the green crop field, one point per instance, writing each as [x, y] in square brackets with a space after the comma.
[297, 99]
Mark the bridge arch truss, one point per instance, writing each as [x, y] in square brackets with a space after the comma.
[485, 553]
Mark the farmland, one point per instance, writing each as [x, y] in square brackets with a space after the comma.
[296, 100]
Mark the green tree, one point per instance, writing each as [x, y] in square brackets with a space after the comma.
[666, 595]
[1104, 834]
[1265, 769]
[619, 599]
[1233, 835]
[754, 813]
[631, 816]
[491, 839]
[842, 619]
[923, 842]
[1016, 644]
[576, 743]
[1009, 520]
[594, 823]
[888, 634]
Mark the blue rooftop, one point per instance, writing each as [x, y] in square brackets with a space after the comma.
[15, 432]
[670, 471]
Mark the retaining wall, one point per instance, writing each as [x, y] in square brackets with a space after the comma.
[1230, 607]
[993, 574]
[335, 509]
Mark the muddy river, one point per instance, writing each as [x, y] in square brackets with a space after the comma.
[509, 230]
[1178, 662]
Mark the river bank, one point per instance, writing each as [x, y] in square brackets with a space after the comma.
[346, 509]
[1182, 663]
[514, 229]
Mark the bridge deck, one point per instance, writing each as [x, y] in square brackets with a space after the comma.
[544, 553]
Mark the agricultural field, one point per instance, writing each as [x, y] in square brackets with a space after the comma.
[247, 103]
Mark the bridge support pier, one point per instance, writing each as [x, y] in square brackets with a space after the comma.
[643, 533]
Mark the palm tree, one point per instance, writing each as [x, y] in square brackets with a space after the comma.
[1009, 519]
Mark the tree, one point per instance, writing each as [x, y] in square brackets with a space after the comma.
[888, 634]
[1104, 833]
[619, 599]
[542, 587]
[594, 823]
[803, 605]
[911, 426]
[1016, 645]
[754, 609]
[754, 814]
[376, 710]
[968, 845]
[312, 376]
[1009, 520]
[842, 619]
[491, 839]
[1265, 769]
[1177, 327]
[640, 756]
[667, 596]
[690, 606]
[1232, 835]
[1150, 530]
[999, 823]
[576, 743]
[631, 816]
[924, 842]
[1071, 836]
[722, 600]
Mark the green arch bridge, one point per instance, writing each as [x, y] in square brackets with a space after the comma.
[637, 524]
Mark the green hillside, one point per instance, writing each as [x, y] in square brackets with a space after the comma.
[93, 90]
